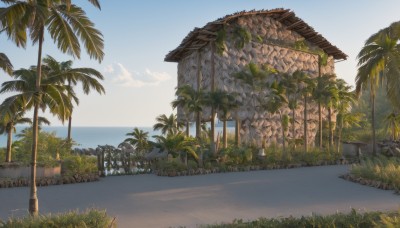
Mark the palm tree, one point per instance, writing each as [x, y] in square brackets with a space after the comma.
[191, 101]
[229, 104]
[378, 61]
[291, 83]
[139, 140]
[345, 118]
[88, 77]
[273, 102]
[174, 144]
[52, 95]
[168, 125]
[218, 101]
[392, 124]
[306, 86]
[65, 22]
[5, 64]
[7, 127]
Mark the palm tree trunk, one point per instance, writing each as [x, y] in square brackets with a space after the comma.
[320, 124]
[224, 135]
[69, 128]
[33, 200]
[305, 125]
[187, 128]
[198, 127]
[373, 126]
[237, 131]
[9, 143]
[330, 128]
[294, 127]
[340, 127]
[212, 135]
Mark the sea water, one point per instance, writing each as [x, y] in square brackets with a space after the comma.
[91, 137]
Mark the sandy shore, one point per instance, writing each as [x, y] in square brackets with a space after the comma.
[151, 201]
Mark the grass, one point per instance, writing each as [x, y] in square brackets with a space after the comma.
[89, 219]
[352, 219]
[379, 169]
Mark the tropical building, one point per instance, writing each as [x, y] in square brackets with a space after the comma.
[209, 57]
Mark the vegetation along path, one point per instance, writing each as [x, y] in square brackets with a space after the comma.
[152, 201]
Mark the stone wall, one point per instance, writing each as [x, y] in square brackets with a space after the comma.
[273, 46]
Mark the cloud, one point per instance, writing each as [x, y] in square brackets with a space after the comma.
[123, 77]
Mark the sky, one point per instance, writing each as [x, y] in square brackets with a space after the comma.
[139, 33]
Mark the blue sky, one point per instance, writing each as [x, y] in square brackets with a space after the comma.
[138, 34]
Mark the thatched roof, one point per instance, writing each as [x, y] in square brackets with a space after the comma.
[200, 37]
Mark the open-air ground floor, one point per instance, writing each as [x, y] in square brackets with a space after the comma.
[153, 201]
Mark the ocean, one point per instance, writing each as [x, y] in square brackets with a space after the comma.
[91, 137]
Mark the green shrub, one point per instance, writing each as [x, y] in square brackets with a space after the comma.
[168, 166]
[192, 164]
[383, 169]
[91, 218]
[352, 219]
[76, 164]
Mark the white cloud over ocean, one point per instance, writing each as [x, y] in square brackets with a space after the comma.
[125, 78]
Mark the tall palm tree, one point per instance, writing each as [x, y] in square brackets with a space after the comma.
[306, 86]
[344, 118]
[291, 83]
[66, 24]
[273, 102]
[88, 77]
[218, 101]
[5, 64]
[168, 125]
[52, 95]
[378, 62]
[229, 104]
[191, 101]
[139, 140]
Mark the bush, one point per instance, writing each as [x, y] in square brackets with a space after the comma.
[192, 164]
[168, 166]
[76, 164]
[49, 148]
[382, 169]
[91, 218]
[352, 219]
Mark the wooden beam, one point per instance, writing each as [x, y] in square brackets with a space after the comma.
[285, 15]
[203, 31]
[295, 24]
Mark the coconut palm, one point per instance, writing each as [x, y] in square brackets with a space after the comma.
[5, 64]
[291, 83]
[168, 125]
[306, 86]
[191, 101]
[273, 102]
[218, 101]
[378, 62]
[52, 95]
[66, 24]
[88, 77]
[139, 140]
[345, 118]
[229, 104]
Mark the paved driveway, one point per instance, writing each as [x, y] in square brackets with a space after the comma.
[151, 201]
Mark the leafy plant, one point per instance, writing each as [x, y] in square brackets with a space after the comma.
[89, 219]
